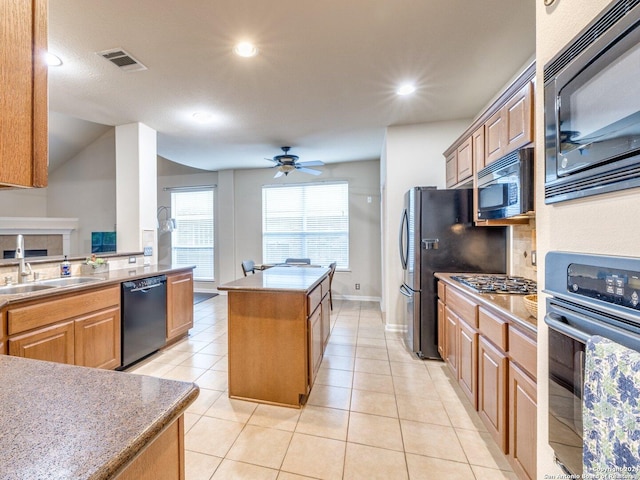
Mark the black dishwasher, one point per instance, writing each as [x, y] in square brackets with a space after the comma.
[144, 317]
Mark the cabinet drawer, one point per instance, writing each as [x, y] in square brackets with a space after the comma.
[442, 289]
[523, 351]
[36, 315]
[463, 306]
[325, 286]
[313, 299]
[494, 328]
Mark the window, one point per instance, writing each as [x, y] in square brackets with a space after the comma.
[192, 240]
[306, 220]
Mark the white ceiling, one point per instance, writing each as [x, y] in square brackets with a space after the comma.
[323, 81]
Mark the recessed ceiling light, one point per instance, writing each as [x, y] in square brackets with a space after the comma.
[406, 89]
[52, 60]
[203, 117]
[245, 49]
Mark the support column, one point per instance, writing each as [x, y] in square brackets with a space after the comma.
[136, 189]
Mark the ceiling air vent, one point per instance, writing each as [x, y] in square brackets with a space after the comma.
[122, 60]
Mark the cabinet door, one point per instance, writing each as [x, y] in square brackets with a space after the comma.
[522, 422]
[179, 304]
[23, 122]
[464, 155]
[97, 339]
[53, 344]
[451, 336]
[518, 114]
[492, 391]
[477, 148]
[494, 137]
[468, 361]
[451, 170]
[441, 329]
[315, 344]
[326, 320]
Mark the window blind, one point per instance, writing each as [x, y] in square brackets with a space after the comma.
[192, 243]
[306, 221]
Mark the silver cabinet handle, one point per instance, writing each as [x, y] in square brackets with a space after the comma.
[430, 243]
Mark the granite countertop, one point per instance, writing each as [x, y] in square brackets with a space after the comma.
[510, 305]
[291, 278]
[110, 277]
[65, 422]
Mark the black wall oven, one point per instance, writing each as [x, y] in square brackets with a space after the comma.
[592, 108]
[590, 295]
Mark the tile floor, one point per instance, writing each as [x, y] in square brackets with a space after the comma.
[374, 412]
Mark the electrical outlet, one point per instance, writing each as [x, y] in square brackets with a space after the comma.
[357, 286]
[132, 259]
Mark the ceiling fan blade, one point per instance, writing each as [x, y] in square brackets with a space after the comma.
[272, 160]
[309, 170]
[312, 163]
[278, 174]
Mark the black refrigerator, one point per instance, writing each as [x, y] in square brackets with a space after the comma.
[437, 234]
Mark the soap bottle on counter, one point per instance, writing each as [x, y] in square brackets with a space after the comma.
[65, 268]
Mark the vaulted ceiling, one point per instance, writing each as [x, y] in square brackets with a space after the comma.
[324, 79]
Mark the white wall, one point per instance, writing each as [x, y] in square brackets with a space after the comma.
[604, 224]
[23, 202]
[84, 187]
[412, 157]
[364, 222]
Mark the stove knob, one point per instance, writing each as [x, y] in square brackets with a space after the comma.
[634, 298]
[575, 287]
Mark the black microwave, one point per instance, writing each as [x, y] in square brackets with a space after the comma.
[505, 187]
[592, 108]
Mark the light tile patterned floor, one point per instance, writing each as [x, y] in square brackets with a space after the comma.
[375, 411]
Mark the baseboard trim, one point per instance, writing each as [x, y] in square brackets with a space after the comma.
[358, 298]
[394, 327]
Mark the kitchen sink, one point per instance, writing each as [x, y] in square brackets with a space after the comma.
[63, 282]
[23, 288]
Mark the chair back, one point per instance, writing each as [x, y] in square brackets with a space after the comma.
[248, 266]
[332, 270]
[299, 261]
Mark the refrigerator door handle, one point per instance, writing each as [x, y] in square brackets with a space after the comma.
[406, 291]
[404, 246]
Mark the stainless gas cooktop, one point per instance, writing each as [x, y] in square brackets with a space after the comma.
[483, 283]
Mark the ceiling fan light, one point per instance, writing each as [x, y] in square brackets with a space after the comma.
[245, 49]
[286, 168]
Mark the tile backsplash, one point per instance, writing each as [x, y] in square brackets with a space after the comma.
[523, 246]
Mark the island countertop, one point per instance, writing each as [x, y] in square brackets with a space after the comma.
[61, 421]
[287, 279]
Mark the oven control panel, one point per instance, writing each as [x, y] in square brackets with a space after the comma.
[616, 286]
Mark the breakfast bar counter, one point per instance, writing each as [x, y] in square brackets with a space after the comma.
[279, 322]
[61, 422]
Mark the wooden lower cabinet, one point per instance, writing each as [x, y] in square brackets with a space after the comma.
[54, 343]
[522, 422]
[451, 343]
[97, 339]
[79, 329]
[468, 361]
[441, 330]
[179, 305]
[492, 390]
[162, 459]
[316, 343]
[326, 320]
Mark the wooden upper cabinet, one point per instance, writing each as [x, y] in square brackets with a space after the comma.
[519, 119]
[477, 147]
[451, 169]
[460, 164]
[511, 127]
[24, 108]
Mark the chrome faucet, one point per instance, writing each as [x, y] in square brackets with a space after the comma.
[24, 270]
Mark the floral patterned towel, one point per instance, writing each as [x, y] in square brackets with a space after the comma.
[611, 411]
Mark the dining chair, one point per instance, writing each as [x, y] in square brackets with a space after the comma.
[248, 266]
[332, 270]
[299, 261]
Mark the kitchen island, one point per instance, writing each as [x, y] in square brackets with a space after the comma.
[66, 422]
[279, 322]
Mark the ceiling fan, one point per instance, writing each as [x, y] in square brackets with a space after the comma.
[287, 162]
